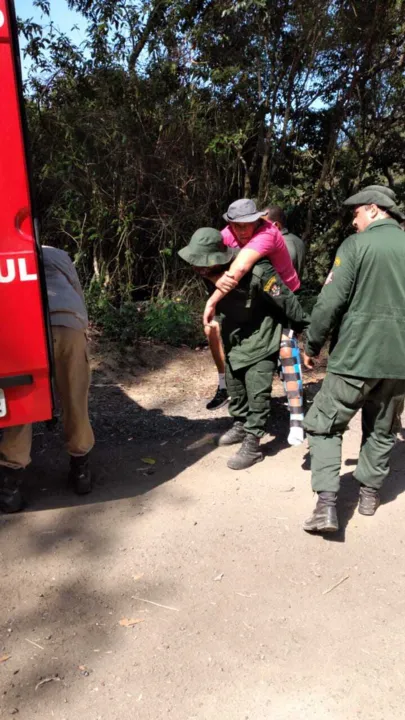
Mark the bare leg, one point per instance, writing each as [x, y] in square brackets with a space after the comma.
[213, 335]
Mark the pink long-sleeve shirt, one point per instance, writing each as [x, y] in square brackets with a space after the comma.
[269, 242]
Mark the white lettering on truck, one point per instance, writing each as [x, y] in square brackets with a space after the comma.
[9, 273]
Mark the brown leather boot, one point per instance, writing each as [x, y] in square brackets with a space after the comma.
[324, 517]
[369, 500]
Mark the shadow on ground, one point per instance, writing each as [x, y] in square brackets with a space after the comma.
[73, 570]
[136, 450]
[70, 574]
[128, 438]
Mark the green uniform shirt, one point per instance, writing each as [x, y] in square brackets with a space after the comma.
[363, 301]
[254, 314]
[296, 248]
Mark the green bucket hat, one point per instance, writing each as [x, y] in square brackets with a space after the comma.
[379, 195]
[206, 249]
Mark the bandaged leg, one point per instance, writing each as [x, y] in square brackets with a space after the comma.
[291, 375]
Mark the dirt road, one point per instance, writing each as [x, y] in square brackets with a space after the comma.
[233, 609]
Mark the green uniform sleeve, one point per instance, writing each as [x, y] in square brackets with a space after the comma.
[334, 297]
[283, 301]
[292, 251]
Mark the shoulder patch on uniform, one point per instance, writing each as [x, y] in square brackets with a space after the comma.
[269, 284]
[329, 278]
[275, 290]
[338, 261]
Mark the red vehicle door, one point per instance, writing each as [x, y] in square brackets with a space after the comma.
[25, 359]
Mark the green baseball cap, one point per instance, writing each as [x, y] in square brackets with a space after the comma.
[379, 195]
[207, 249]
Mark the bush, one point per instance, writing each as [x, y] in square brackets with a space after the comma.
[171, 321]
[166, 320]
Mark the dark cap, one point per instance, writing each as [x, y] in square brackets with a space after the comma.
[379, 195]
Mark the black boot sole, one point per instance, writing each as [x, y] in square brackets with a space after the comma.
[321, 529]
[367, 512]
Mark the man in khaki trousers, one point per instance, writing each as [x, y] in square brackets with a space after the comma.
[72, 376]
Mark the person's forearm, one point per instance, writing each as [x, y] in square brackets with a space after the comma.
[239, 271]
[243, 263]
[215, 298]
[210, 307]
[240, 266]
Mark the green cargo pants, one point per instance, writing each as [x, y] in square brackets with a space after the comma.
[249, 389]
[338, 400]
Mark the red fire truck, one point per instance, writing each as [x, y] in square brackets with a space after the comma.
[25, 347]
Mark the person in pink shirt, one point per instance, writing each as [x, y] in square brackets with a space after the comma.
[265, 239]
[257, 238]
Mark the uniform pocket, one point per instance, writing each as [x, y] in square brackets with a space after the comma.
[336, 403]
[321, 417]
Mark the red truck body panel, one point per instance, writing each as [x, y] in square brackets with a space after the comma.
[25, 386]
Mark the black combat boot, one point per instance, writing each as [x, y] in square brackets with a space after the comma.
[80, 474]
[369, 500]
[235, 435]
[324, 517]
[247, 455]
[11, 499]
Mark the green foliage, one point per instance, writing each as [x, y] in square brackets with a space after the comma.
[168, 320]
[121, 323]
[172, 321]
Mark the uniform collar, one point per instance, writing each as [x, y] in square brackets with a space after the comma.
[378, 223]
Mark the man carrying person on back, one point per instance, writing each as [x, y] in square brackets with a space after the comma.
[261, 234]
[248, 230]
[252, 320]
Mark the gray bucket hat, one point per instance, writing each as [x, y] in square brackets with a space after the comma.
[379, 195]
[207, 249]
[243, 211]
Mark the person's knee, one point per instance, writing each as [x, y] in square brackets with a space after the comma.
[260, 402]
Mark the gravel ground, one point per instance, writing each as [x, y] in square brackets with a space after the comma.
[182, 589]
